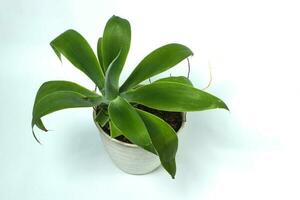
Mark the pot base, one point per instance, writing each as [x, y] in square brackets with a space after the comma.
[130, 158]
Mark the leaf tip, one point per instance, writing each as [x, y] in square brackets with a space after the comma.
[55, 50]
[225, 107]
[173, 173]
[222, 105]
[36, 139]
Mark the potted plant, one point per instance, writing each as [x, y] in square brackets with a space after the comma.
[137, 122]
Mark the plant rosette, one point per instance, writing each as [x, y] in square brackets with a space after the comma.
[151, 139]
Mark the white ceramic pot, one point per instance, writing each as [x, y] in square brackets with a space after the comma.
[130, 158]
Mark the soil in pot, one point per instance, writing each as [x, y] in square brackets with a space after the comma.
[174, 119]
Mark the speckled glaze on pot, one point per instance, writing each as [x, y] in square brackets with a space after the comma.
[130, 158]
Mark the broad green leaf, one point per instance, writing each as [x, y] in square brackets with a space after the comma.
[176, 79]
[54, 86]
[116, 37]
[114, 131]
[128, 121]
[99, 53]
[77, 50]
[170, 96]
[57, 95]
[112, 79]
[156, 62]
[164, 140]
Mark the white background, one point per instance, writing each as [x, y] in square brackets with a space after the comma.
[250, 153]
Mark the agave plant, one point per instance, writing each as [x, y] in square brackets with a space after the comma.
[116, 104]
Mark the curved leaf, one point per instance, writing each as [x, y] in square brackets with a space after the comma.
[156, 62]
[127, 120]
[114, 131]
[112, 79]
[164, 140]
[176, 79]
[57, 95]
[173, 97]
[77, 50]
[41, 125]
[116, 37]
[54, 86]
[99, 53]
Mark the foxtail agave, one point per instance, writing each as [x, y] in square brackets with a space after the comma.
[117, 101]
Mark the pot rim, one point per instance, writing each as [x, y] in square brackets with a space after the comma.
[132, 145]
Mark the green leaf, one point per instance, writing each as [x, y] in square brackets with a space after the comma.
[114, 131]
[173, 97]
[41, 125]
[156, 62]
[99, 53]
[77, 50]
[57, 95]
[102, 118]
[139, 85]
[164, 140]
[128, 121]
[53, 86]
[116, 37]
[112, 79]
[176, 79]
